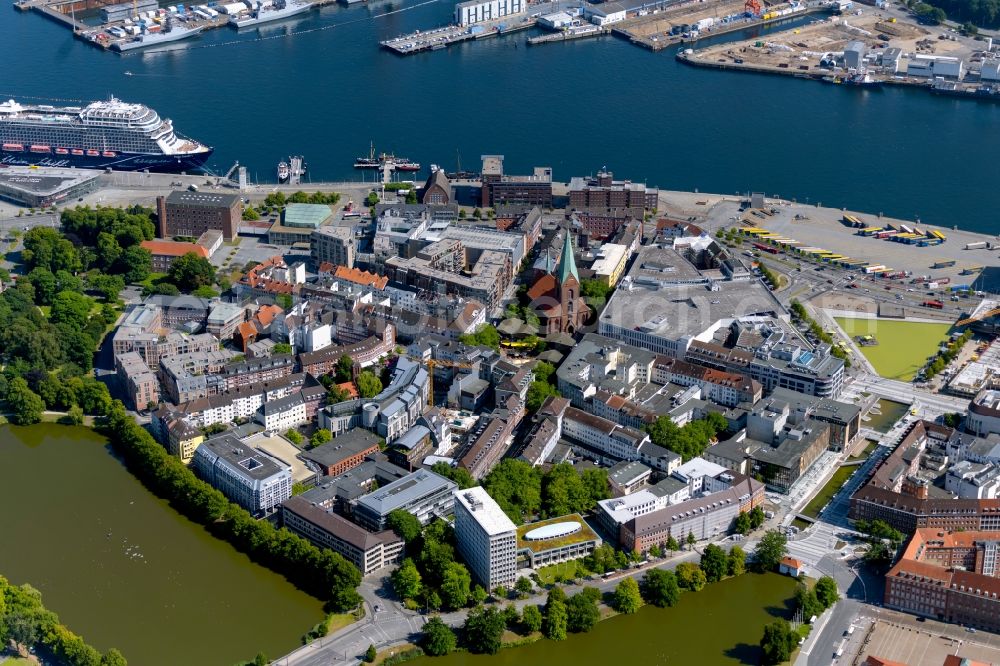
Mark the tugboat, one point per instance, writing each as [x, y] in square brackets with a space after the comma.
[403, 164]
[283, 172]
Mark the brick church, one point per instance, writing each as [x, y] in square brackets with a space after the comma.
[555, 297]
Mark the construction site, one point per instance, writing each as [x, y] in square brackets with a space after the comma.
[691, 21]
[864, 47]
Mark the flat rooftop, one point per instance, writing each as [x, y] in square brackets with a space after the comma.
[686, 310]
[484, 510]
[405, 491]
[44, 182]
[280, 448]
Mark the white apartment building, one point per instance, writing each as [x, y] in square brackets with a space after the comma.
[479, 11]
[486, 537]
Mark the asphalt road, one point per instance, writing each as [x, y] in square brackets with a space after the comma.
[393, 625]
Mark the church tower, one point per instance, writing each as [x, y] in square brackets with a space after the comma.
[573, 308]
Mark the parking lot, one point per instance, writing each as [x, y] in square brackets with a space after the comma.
[907, 639]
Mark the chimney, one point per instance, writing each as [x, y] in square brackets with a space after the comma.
[161, 217]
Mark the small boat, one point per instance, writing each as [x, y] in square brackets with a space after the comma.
[108, 153]
[93, 153]
[76, 151]
[283, 172]
[14, 147]
[369, 162]
[62, 151]
[40, 149]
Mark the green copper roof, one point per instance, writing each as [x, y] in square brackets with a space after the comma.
[567, 264]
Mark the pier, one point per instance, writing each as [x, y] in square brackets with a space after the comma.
[439, 38]
[580, 32]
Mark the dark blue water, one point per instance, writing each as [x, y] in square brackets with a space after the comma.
[575, 106]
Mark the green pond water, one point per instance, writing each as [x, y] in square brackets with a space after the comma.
[903, 346]
[721, 625]
[123, 569]
[891, 411]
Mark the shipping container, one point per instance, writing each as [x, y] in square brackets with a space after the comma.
[944, 264]
[979, 245]
[933, 304]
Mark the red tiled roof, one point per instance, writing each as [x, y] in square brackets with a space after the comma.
[361, 277]
[168, 248]
[791, 562]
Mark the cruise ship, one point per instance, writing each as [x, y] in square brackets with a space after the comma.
[102, 135]
[266, 12]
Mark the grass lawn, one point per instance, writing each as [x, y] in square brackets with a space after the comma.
[153, 280]
[903, 346]
[800, 523]
[339, 621]
[826, 494]
[567, 571]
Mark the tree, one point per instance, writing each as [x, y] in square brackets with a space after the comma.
[537, 393]
[294, 436]
[485, 336]
[556, 619]
[516, 487]
[371, 199]
[406, 580]
[459, 475]
[826, 591]
[582, 613]
[531, 619]
[250, 214]
[321, 436]
[672, 544]
[563, 491]
[135, 264]
[24, 404]
[714, 563]
[191, 271]
[405, 524]
[370, 654]
[690, 576]
[757, 517]
[627, 598]
[455, 586]
[778, 642]
[478, 594]
[500, 592]
[690, 539]
[344, 372]
[44, 283]
[369, 385]
[743, 525]
[115, 658]
[807, 601]
[660, 588]
[438, 639]
[282, 348]
[108, 286]
[484, 629]
[736, 562]
[523, 586]
[770, 550]
[74, 415]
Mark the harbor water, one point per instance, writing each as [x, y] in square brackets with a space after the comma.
[318, 85]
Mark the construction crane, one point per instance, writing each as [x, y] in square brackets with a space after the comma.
[985, 315]
[752, 6]
[436, 363]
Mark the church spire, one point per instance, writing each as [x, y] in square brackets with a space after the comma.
[567, 264]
